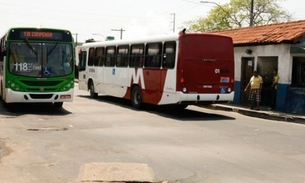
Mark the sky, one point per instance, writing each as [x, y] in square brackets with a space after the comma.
[98, 19]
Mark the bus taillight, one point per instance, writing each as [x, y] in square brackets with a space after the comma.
[182, 85]
[181, 80]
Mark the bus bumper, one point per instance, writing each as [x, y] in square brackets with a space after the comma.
[195, 98]
[36, 97]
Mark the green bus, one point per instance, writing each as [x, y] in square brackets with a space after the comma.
[37, 66]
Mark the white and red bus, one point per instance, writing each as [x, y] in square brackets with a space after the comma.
[180, 69]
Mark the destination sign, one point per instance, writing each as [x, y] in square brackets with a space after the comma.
[40, 35]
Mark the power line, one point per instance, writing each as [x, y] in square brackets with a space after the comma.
[121, 30]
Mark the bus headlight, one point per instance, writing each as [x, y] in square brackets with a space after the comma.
[14, 86]
[184, 89]
[229, 90]
[67, 86]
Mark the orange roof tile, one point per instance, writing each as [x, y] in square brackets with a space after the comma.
[289, 32]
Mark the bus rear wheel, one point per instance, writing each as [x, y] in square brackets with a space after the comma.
[91, 89]
[136, 97]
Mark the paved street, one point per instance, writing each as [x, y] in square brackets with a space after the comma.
[39, 143]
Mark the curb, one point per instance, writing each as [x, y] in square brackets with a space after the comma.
[261, 114]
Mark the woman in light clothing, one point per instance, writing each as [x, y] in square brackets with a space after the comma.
[256, 84]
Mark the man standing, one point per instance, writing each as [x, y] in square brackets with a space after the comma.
[256, 84]
[274, 88]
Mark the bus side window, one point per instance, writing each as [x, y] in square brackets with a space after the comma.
[137, 56]
[110, 56]
[82, 61]
[169, 55]
[153, 55]
[99, 58]
[91, 57]
[122, 58]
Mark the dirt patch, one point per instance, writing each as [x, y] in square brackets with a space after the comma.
[52, 128]
[4, 150]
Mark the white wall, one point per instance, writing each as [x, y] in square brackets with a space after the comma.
[282, 51]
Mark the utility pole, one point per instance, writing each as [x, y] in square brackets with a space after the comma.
[174, 21]
[121, 30]
[251, 13]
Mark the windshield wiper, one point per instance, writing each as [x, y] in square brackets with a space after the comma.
[52, 49]
[30, 46]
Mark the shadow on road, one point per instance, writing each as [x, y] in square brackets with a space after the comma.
[19, 109]
[165, 111]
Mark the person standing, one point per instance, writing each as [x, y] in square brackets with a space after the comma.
[256, 84]
[274, 88]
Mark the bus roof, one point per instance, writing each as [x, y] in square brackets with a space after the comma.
[36, 28]
[34, 33]
[133, 41]
[151, 39]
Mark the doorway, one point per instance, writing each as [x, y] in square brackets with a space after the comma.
[265, 68]
[247, 67]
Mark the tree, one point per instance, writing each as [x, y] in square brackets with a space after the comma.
[90, 40]
[236, 14]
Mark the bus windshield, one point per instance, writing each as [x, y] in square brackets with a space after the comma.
[40, 59]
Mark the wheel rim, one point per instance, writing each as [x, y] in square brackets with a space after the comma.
[91, 90]
[137, 97]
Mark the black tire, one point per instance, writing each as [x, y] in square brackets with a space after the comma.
[136, 97]
[181, 106]
[91, 90]
[58, 104]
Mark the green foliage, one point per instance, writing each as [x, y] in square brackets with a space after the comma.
[236, 14]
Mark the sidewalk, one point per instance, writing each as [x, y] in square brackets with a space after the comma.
[264, 113]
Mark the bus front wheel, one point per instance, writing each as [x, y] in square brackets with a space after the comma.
[136, 97]
[91, 89]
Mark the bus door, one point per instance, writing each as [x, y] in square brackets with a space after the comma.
[109, 72]
[82, 57]
[152, 73]
[122, 81]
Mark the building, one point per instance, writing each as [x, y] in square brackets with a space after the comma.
[265, 48]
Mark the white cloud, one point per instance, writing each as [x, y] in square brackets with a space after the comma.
[150, 24]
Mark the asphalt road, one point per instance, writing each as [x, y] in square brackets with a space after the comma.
[39, 143]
